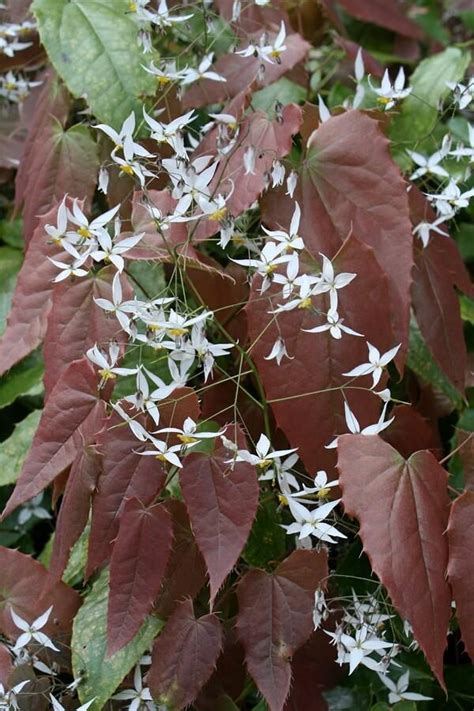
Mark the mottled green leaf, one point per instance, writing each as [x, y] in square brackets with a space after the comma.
[93, 47]
[21, 379]
[13, 450]
[101, 675]
[10, 262]
[283, 90]
[419, 112]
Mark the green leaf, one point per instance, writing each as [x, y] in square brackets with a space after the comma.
[74, 572]
[148, 278]
[10, 263]
[467, 309]
[13, 451]
[283, 90]
[464, 236]
[419, 113]
[267, 540]
[93, 47]
[11, 232]
[22, 379]
[102, 675]
[422, 363]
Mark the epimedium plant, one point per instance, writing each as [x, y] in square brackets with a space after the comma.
[235, 356]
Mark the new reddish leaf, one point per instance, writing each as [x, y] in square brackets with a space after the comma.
[303, 392]
[125, 474]
[275, 619]
[27, 321]
[389, 14]
[72, 403]
[76, 323]
[222, 501]
[350, 184]
[402, 507]
[184, 656]
[81, 483]
[461, 567]
[29, 589]
[139, 558]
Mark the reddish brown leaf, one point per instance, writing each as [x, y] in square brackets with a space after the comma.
[314, 670]
[76, 323]
[125, 474]
[184, 656]
[81, 483]
[350, 184]
[228, 679]
[222, 502]
[29, 590]
[55, 161]
[465, 440]
[241, 73]
[411, 432]
[186, 572]
[402, 507]
[275, 619]
[51, 104]
[305, 399]
[27, 321]
[389, 14]
[72, 403]
[139, 558]
[461, 567]
[438, 270]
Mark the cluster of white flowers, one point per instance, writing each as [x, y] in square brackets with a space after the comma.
[15, 87]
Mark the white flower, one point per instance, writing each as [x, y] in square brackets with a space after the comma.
[324, 113]
[269, 259]
[8, 699]
[278, 173]
[32, 632]
[117, 306]
[278, 352]
[167, 75]
[202, 72]
[163, 452]
[398, 689]
[107, 368]
[463, 93]
[32, 509]
[56, 706]
[322, 488]
[69, 270]
[137, 695]
[263, 457]
[311, 523]
[359, 73]
[138, 430]
[375, 364]
[329, 282]
[291, 183]
[428, 165]
[334, 325]
[250, 155]
[89, 229]
[357, 649]
[423, 229]
[188, 434]
[320, 610]
[123, 139]
[448, 202]
[291, 239]
[162, 19]
[463, 151]
[389, 94]
[271, 53]
[109, 251]
[170, 133]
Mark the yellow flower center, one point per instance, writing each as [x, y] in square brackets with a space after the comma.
[283, 500]
[105, 374]
[324, 492]
[10, 85]
[126, 169]
[161, 457]
[305, 303]
[84, 232]
[271, 268]
[132, 6]
[264, 463]
[187, 439]
[383, 100]
[177, 332]
[219, 214]
[162, 80]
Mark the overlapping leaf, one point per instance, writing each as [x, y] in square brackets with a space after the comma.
[350, 184]
[461, 568]
[402, 507]
[101, 38]
[72, 402]
[275, 619]
[222, 501]
[137, 566]
[184, 656]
